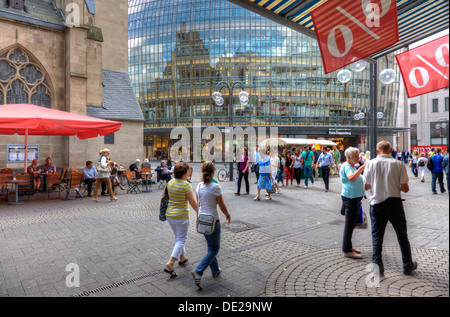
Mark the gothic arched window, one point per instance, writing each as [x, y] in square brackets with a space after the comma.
[22, 80]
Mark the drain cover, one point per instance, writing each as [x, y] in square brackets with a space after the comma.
[239, 226]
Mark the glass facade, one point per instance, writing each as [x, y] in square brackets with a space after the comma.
[180, 50]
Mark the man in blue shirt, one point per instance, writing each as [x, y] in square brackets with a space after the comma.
[438, 172]
[89, 176]
[325, 160]
[256, 158]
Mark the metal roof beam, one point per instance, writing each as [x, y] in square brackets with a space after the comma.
[292, 11]
[407, 6]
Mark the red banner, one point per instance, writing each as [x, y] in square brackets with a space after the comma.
[425, 68]
[349, 30]
[426, 149]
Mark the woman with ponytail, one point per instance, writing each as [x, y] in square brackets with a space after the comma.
[209, 195]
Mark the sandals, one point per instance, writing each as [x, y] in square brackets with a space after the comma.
[171, 273]
[181, 263]
[268, 198]
[256, 198]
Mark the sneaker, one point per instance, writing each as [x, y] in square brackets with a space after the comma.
[408, 271]
[434, 193]
[197, 280]
[306, 187]
[278, 191]
[217, 273]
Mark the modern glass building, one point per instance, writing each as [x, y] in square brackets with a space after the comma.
[180, 50]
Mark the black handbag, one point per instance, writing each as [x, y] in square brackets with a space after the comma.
[164, 204]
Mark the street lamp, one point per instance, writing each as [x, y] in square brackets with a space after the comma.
[442, 125]
[361, 114]
[219, 101]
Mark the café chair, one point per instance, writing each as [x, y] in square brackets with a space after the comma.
[133, 183]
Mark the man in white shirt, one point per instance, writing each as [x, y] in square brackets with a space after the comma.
[386, 178]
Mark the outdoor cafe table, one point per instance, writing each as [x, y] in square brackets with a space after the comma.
[16, 183]
[146, 190]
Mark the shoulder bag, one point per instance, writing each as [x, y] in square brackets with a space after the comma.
[205, 223]
[164, 204]
[102, 169]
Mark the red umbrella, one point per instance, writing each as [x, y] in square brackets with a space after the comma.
[26, 119]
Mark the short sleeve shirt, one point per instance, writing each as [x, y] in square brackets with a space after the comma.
[178, 207]
[308, 157]
[207, 197]
[385, 175]
[351, 189]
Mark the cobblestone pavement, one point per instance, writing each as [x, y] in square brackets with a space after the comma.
[290, 246]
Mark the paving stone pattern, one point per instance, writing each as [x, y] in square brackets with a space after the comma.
[290, 246]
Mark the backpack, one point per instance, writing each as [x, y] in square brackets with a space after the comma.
[421, 163]
[430, 164]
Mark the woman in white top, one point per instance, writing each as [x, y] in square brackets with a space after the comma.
[422, 166]
[297, 165]
[103, 176]
[209, 195]
[275, 163]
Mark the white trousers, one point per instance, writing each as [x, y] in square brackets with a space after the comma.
[422, 170]
[180, 228]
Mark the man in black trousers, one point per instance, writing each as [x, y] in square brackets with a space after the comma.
[386, 178]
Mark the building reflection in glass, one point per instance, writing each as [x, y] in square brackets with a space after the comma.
[179, 50]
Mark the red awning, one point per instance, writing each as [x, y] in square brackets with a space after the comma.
[16, 118]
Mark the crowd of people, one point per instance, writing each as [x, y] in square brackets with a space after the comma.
[384, 177]
[273, 169]
[419, 164]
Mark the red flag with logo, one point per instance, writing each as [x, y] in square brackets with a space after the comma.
[425, 68]
[349, 30]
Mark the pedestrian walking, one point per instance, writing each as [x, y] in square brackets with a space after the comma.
[308, 164]
[265, 175]
[422, 166]
[325, 160]
[255, 165]
[414, 160]
[180, 197]
[297, 165]
[438, 172]
[275, 165]
[352, 194]
[103, 174]
[386, 178]
[336, 158]
[445, 165]
[289, 163]
[280, 170]
[243, 168]
[316, 158]
[209, 195]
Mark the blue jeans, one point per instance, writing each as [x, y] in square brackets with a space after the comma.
[440, 178]
[210, 259]
[307, 170]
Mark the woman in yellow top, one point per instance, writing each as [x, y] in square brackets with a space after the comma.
[180, 196]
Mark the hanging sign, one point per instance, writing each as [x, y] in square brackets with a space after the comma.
[425, 68]
[349, 30]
